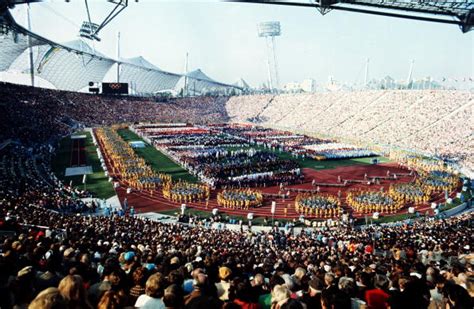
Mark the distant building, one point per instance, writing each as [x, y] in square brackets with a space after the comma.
[307, 85]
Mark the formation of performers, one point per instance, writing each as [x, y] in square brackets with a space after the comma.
[319, 206]
[410, 192]
[185, 192]
[244, 166]
[239, 199]
[247, 167]
[373, 201]
[126, 163]
[439, 181]
[419, 163]
[433, 176]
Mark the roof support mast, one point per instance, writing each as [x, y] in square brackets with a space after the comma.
[118, 57]
[30, 48]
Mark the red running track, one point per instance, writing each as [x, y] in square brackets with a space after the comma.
[153, 201]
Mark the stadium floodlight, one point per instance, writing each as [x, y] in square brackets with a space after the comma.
[90, 30]
[269, 30]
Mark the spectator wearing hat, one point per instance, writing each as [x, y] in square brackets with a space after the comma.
[128, 262]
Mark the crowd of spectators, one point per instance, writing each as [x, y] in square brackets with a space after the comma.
[26, 178]
[55, 112]
[119, 262]
[430, 121]
[52, 257]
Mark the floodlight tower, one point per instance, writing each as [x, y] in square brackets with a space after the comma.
[269, 30]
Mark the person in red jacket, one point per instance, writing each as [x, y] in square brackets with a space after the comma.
[377, 298]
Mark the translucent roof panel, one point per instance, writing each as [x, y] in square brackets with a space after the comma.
[72, 65]
[141, 62]
[12, 45]
[71, 70]
[198, 74]
[202, 86]
[147, 81]
[22, 63]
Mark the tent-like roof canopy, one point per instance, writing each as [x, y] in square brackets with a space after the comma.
[72, 65]
[81, 46]
[242, 84]
[140, 62]
[198, 74]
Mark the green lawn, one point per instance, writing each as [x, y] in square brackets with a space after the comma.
[157, 160]
[97, 183]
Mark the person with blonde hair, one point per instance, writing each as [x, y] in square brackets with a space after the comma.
[280, 295]
[50, 298]
[154, 290]
[72, 289]
[110, 300]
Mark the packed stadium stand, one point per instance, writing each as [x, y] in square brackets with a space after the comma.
[433, 122]
[62, 247]
[116, 261]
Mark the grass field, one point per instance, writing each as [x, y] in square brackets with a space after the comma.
[97, 183]
[157, 160]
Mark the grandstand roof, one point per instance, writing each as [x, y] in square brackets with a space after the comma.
[81, 46]
[140, 62]
[198, 74]
[242, 84]
[457, 12]
[72, 65]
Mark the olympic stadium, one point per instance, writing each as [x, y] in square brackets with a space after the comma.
[126, 184]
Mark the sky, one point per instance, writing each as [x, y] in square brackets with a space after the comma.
[221, 39]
